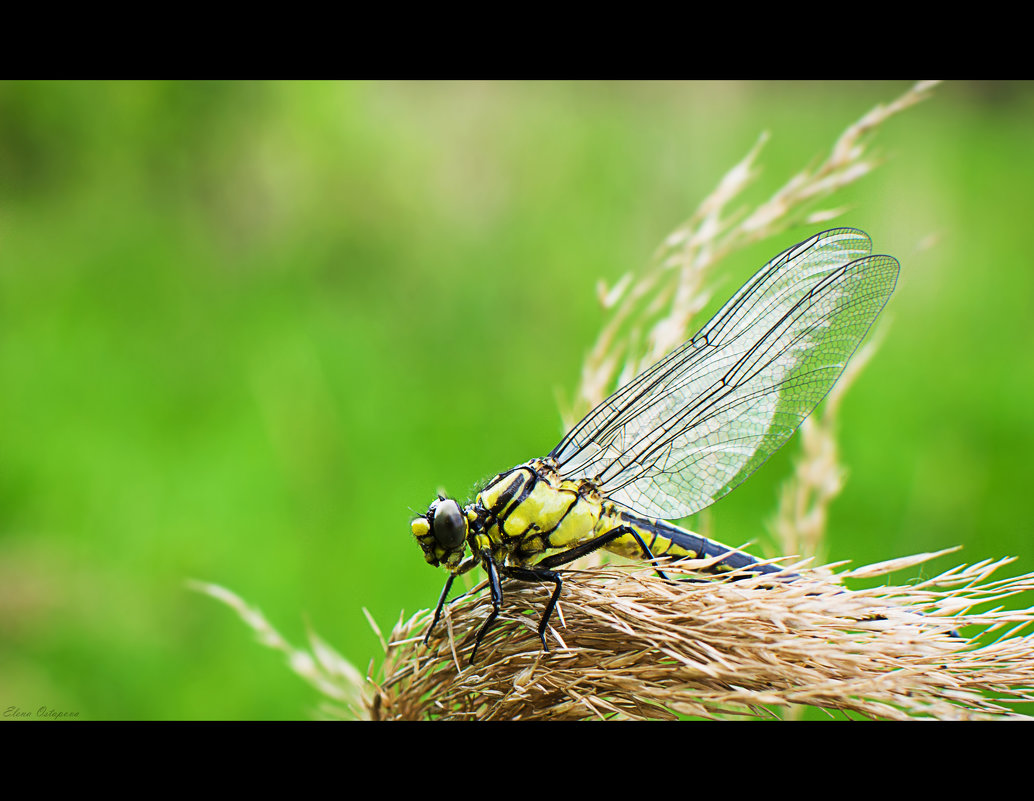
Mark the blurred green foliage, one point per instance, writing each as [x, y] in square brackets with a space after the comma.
[247, 329]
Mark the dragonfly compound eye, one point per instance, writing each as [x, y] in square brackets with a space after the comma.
[450, 526]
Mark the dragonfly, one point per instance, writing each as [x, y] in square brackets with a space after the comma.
[676, 438]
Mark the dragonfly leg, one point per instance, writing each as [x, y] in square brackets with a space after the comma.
[497, 600]
[595, 544]
[441, 605]
[541, 572]
[647, 553]
[538, 574]
[466, 565]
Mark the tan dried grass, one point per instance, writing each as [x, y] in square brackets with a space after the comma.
[634, 646]
[637, 647]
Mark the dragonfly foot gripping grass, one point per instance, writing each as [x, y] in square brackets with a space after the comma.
[679, 436]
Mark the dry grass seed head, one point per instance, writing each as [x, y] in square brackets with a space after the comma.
[636, 646]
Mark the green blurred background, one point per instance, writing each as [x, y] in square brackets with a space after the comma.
[247, 329]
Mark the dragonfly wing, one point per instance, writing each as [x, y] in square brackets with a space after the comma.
[693, 426]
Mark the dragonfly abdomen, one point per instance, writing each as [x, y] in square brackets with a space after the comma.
[668, 540]
[530, 513]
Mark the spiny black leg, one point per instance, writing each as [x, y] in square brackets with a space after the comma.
[595, 544]
[541, 573]
[438, 611]
[497, 600]
[579, 551]
[646, 549]
[536, 574]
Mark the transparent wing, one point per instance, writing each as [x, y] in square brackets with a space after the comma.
[689, 429]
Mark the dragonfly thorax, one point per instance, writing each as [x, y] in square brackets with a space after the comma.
[530, 511]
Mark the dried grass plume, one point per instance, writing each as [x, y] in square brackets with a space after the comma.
[637, 647]
[634, 646]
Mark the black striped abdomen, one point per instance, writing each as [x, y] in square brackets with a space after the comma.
[667, 540]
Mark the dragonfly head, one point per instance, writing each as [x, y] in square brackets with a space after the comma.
[442, 533]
